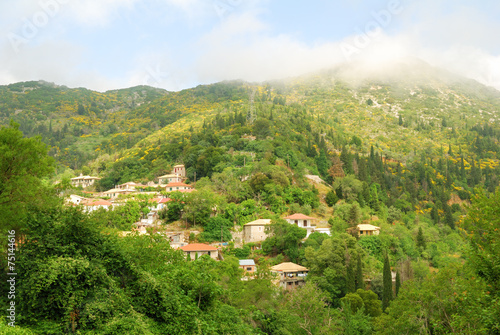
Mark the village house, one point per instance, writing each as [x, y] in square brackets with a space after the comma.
[157, 204]
[368, 230]
[84, 181]
[323, 231]
[115, 192]
[170, 187]
[95, 205]
[302, 221]
[170, 178]
[180, 170]
[76, 199]
[248, 266]
[194, 250]
[130, 186]
[290, 275]
[255, 231]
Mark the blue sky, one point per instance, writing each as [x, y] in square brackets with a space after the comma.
[177, 44]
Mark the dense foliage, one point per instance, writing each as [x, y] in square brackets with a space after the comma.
[418, 159]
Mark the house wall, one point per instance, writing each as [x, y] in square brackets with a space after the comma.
[213, 254]
[248, 268]
[255, 233]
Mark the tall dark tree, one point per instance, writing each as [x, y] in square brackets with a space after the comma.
[387, 295]
[420, 239]
[398, 282]
[350, 279]
[360, 283]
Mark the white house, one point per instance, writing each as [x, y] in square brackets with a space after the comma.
[84, 181]
[171, 187]
[115, 192]
[157, 204]
[76, 199]
[302, 221]
[95, 205]
[170, 178]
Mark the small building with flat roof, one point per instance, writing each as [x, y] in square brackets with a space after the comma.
[248, 265]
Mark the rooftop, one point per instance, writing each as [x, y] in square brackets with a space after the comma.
[299, 216]
[198, 247]
[259, 222]
[367, 227]
[246, 262]
[99, 203]
[289, 267]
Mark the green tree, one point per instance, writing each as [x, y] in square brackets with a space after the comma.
[350, 278]
[24, 164]
[398, 282]
[360, 283]
[283, 238]
[480, 228]
[387, 289]
[216, 226]
[420, 240]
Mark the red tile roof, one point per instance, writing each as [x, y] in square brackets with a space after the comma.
[198, 247]
[299, 216]
[99, 203]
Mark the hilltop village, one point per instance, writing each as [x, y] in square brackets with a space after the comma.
[251, 233]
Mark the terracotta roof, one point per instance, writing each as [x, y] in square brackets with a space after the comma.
[367, 227]
[300, 216]
[288, 267]
[99, 203]
[198, 247]
[160, 200]
[258, 222]
[176, 184]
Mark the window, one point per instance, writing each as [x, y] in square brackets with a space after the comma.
[305, 223]
[260, 228]
[249, 269]
[297, 222]
[209, 253]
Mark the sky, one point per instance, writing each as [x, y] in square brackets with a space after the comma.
[178, 44]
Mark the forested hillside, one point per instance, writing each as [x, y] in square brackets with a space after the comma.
[409, 148]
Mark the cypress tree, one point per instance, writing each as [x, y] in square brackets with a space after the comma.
[387, 280]
[350, 280]
[360, 283]
[420, 239]
[398, 282]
